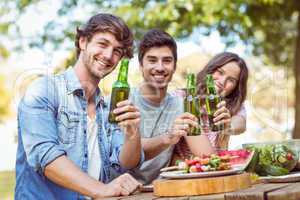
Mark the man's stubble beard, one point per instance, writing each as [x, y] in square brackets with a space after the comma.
[89, 64]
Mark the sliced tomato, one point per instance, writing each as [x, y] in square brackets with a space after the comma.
[289, 156]
[199, 167]
[192, 162]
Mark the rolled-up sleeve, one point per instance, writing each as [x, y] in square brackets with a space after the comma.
[37, 124]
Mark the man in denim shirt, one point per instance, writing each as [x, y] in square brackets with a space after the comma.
[53, 147]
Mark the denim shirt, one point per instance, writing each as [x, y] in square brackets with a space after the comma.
[52, 121]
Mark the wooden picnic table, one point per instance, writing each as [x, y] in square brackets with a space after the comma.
[262, 191]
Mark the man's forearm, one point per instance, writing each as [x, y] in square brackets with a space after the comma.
[130, 154]
[154, 146]
[65, 173]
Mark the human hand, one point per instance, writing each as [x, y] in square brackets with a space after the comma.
[123, 185]
[222, 115]
[181, 127]
[128, 118]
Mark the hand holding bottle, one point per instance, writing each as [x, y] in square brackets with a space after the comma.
[222, 115]
[128, 117]
[181, 127]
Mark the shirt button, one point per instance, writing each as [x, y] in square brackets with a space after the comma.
[86, 155]
[84, 131]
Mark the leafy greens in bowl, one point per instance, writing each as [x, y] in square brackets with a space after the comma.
[273, 159]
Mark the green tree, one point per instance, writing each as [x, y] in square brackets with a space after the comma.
[271, 28]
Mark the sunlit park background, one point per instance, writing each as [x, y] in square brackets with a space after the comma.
[36, 38]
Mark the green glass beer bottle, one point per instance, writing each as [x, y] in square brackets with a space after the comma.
[120, 90]
[211, 100]
[192, 103]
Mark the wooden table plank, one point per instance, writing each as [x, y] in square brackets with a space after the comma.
[291, 192]
[256, 192]
[150, 196]
[208, 197]
[279, 191]
[173, 198]
[136, 196]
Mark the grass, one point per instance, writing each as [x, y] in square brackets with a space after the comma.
[7, 185]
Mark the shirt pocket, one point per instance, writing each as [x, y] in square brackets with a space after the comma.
[68, 125]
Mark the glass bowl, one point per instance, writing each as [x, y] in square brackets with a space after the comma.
[274, 158]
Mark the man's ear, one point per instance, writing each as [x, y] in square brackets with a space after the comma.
[82, 43]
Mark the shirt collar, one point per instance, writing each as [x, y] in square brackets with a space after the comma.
[72, 81]
[73, 85]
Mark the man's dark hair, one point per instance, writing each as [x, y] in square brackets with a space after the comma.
[156, 38]
[104, 22]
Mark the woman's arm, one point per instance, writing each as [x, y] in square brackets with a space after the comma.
[238, 125]
[234, 125]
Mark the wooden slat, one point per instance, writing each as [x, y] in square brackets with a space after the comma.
[137, 196]
[208, 197]
[256, 192]
[291, 192]
[173, 198]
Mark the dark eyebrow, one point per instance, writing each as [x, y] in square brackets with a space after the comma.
[168, 57]
[152, 57]
[222, 70]
[107, 41]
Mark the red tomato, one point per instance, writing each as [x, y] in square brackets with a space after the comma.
[199, 167]
[192, 162]
[289, 156]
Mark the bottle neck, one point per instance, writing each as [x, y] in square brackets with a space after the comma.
[191, 85]
[210, 85]
[123, 72]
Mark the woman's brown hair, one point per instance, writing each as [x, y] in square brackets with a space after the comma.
[235, 99]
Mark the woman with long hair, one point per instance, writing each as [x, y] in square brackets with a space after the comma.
[230, 74]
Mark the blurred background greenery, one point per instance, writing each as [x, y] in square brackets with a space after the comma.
[36, 37]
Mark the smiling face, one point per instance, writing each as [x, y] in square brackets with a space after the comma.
[101, 54]
[226, 78]
[158, 67]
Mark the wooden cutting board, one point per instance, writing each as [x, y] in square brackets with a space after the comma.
[201, 186]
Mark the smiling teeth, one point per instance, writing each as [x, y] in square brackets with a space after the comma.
[101, 63]
[159, 76]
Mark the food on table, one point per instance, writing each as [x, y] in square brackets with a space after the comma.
[223, 160]
[240, 157]
[272, 159]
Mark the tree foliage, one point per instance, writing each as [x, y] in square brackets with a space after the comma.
[268, 27]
